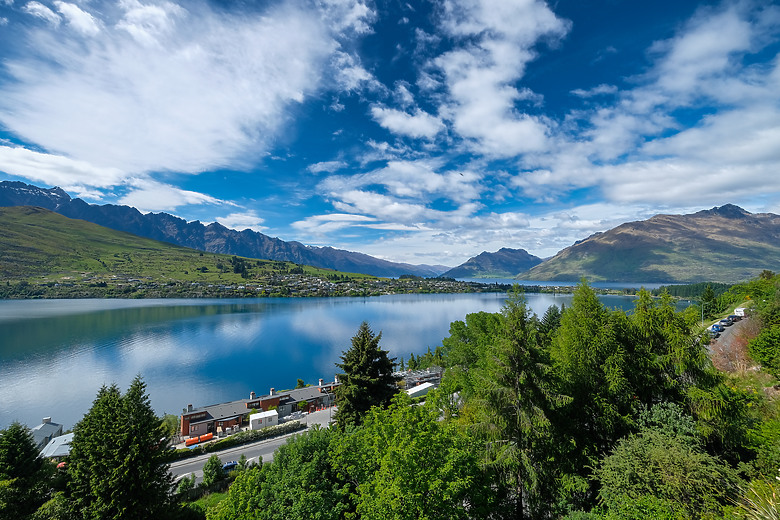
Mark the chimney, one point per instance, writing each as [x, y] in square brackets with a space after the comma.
[46, 420]
[189, 408]
[321, 381]
[272, 392]
[251, 395]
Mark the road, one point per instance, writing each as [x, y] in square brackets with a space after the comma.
[264, 449]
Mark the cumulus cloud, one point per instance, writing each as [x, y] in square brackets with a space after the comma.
[241, 221]
[496, 42]
[600, 90]
[419, 124]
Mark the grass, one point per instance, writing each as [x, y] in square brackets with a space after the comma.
[40, 245]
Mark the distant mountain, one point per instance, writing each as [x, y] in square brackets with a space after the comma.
[723, 244]
[213, 238]
[504, 263]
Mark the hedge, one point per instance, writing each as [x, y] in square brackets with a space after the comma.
[238, 439]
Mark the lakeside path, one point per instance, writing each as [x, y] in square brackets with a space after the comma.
[264, 449]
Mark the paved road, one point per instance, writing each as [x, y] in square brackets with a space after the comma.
[254, 452]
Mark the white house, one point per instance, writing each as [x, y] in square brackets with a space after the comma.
[419, 390]
[263, 420]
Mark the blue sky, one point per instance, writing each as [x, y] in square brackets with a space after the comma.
[422, 132]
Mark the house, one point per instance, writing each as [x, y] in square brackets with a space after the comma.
[45, 432]
[218, 418]
[419, 390]
[58, 447]
[261, 420]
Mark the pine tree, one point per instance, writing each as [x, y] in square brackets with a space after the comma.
[367, 379]
[23, 476]
[118, 465]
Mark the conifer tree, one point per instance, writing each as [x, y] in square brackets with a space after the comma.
[23, 475]
[367, 379]
[118, 464]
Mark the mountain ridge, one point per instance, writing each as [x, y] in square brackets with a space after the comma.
[722, 244]
[212, 238]
[504, 263]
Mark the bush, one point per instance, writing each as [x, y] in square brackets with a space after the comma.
[765, 349]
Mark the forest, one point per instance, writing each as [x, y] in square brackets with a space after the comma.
[583, 413]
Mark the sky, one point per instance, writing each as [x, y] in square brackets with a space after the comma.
[423, 132]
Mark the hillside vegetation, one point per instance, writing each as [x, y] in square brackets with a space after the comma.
[44, 254]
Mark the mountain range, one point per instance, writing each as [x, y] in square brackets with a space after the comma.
[722, 244]
[212, 238]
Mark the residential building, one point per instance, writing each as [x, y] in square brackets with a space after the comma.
[45, 432]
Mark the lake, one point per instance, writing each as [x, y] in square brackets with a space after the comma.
[55, 354]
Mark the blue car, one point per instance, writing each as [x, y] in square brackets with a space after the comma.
[229, 466]
[717, 328]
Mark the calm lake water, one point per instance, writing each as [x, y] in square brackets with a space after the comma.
[55, 354]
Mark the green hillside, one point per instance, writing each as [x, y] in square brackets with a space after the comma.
[37, 245]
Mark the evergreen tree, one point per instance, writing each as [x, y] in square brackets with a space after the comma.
[23, 474]
[518, 396]
[367, 379]
[118, 465]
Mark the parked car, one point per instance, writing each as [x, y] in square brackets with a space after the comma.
[734, 317]
[229, 466]
[725, 322]
[717, 328]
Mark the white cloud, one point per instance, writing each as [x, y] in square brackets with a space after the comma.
[419, 124]
[159, 87]
[498, 38]
[324, 224]
[242, 221]
[148, 195]
[55, 170]
[80, 20]
[39, 10]
[417, 180]
[600, 90]
[326, 166]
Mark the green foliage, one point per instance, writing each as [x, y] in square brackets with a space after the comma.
[367, 379]
[118, 463]
[212, 471]
[240, 438]
[765, 349]
[405, 463]
[300, 484]
[24, 476]
[518, 395]
[669, 468]
[300, 384]
[186, 484]
[761, 500]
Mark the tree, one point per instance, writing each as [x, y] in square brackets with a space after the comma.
[300, 384]
[404, 463]
[367, 379]
[24, 476]
[665, 464]
[518, 396]
[212, 471]
[300, 484]
[118, 465]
